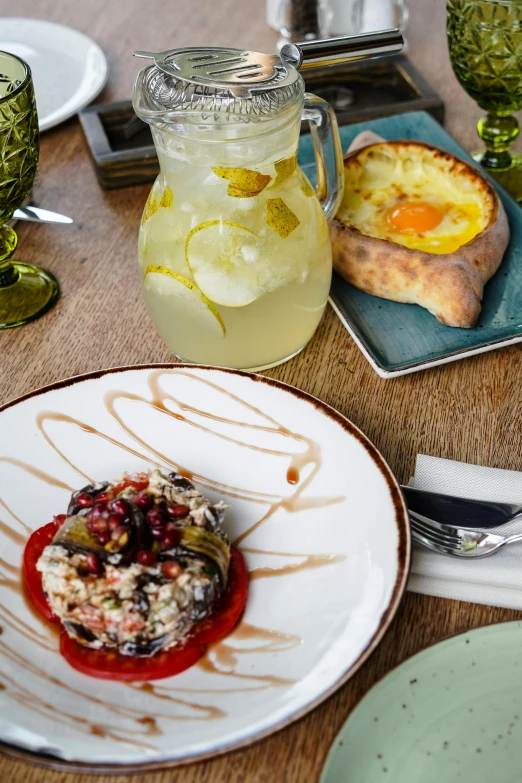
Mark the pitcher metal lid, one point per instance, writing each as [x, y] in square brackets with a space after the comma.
[225, 83]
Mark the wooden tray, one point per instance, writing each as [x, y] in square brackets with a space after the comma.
[359, 92]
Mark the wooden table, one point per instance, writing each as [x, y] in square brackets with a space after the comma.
[468, 411]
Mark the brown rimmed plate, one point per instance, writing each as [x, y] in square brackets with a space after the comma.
[313, 505]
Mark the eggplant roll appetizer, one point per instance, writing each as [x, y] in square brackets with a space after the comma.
[137, 563]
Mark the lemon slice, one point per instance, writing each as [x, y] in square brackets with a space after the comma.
[224, 259]
[166, 282]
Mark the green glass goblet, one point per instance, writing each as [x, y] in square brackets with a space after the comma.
[485, 46]
[26, 291]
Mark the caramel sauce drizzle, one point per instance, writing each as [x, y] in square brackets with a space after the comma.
[14, 535]
[37, 473]
[12, 513]
[207, 712]
[310, 456]
[203, 712]
[292, 475]
[9, 583]
[221, 658]
[44, 416]
[158, 402]
[48, 642]
[10, 567]
[5, 581]
[6, 529]
[308, 562]
[24, 696]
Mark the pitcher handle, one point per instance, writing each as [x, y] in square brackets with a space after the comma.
[328, 153]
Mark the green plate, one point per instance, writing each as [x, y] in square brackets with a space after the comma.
[400, 338]
[451, 714]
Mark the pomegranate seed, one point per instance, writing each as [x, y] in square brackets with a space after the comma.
[117, 533]
[103, 537]
[60, 518]
[146, 558]
[170, 526]
[143, 500]
[84, 500]
[120, 506]
[97, 525]
[157, 532]
[169, 539]
[98, 510]
[103, 497]
[116, 520]
[171, 569]
[177, 511]
[155, 517]
[94, 565]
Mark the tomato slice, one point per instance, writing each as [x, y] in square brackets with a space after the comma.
[139, 481]
[111, 665]
[33, 578]
[229, 610]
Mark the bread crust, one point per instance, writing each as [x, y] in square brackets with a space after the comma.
[449, 285]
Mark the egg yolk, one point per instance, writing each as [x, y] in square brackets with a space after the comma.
[415, 217]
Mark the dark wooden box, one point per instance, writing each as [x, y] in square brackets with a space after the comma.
[118, 160]
[124, 154]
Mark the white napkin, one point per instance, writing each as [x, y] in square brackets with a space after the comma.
[495, 580]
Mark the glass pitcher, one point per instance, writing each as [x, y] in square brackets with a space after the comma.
[234, 247]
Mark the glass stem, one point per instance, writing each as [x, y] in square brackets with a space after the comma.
[498, 134]
[8, 242]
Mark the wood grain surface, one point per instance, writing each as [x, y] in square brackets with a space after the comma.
[469, 410]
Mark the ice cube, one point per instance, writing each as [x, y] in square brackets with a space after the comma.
[246, 203]
[250, 253]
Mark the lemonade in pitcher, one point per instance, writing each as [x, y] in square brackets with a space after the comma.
[234, 250]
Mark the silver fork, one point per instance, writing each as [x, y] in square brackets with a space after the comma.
[456, 541]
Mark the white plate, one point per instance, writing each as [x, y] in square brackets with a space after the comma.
[69, 69]
[328, 558]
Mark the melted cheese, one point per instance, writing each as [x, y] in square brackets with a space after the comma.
[408, 196]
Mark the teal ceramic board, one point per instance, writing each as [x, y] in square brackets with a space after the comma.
[400, 338]
[451, 714]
